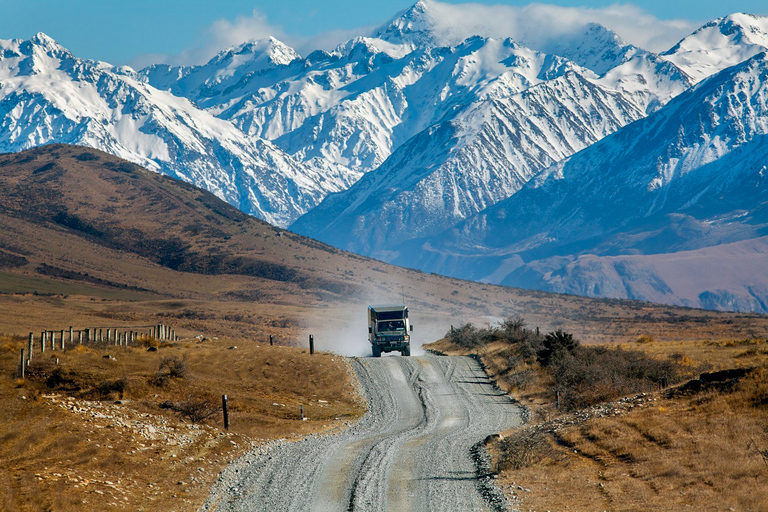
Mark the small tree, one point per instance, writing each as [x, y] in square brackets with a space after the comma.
[555, 342]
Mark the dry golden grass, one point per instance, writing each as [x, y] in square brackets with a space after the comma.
[706, 451]
[65, 445]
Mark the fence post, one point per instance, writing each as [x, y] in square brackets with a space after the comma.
[71, 333]
[29, 346]
[226, 411]
[302, 412]
[42, 341]
[80, 337]
[311, 344]
[271, 343]
[21, 372]
[62, 340]
[53, 340]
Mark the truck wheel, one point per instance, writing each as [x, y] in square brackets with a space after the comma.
[376, 351]
[406, 351]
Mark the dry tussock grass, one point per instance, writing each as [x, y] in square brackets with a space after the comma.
[55, 459]
[704, 451]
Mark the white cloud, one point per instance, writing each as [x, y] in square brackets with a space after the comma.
[533, 25]
[220, 35]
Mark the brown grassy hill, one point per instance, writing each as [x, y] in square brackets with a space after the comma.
[86, 236]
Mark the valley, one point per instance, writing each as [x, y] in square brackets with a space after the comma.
[90, 240]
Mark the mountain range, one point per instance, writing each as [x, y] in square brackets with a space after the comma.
[577, 164]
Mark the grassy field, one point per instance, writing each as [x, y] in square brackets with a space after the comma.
[699, 449]
[90, 432]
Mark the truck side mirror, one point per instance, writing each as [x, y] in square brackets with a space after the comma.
[411, 328]
[370, 330]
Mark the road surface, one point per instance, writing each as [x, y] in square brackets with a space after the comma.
[411, 451]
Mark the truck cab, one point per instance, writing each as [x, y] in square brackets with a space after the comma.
[389, 329]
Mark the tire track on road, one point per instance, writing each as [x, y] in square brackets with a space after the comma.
[411, 451]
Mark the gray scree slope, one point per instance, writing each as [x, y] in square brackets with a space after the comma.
[411, 451]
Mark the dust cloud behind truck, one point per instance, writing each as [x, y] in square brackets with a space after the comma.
[389, 329]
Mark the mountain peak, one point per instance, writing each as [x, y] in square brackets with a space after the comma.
[415, 26]
[45, 43]
[269, 51]
[44, 40]
[720, 44]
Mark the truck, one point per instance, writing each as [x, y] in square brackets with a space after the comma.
[389, 329]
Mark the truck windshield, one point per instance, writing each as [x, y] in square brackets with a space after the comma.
[393, 325]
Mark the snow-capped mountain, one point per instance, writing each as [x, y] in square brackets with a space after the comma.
[720, 44]
[415, 139]
[459, 167]
[49, 95]
[672, 208]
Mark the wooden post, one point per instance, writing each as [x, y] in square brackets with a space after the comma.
[537, 331]
[271, 343]
[62, 340]
[311, 344]
[42, 341]
[302, 412]
[29, 346]
[21, 372]
[53, 340]
[160, 332]
[109, 335]
[80, 337]
[71, 333]
[226, 411]
[557, 399]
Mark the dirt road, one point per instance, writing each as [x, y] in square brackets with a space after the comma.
[412, 451]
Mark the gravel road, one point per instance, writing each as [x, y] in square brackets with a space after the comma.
[413, 450]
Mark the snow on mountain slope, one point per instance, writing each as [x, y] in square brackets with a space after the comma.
[49, 95]
[459, 167]
[213, 83]
[720, 44]
[401, 99]
[648, 80]
[690, 177]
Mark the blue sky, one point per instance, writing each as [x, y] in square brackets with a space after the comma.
[138, 32]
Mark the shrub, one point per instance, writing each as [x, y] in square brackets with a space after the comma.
[467, 335]
[177, 367]
[195, 409]
[586, 376]
[512, 331]
[523, 449]
[555, 343]
[112, 388]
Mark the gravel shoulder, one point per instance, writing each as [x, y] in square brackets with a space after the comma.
[411, 451]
